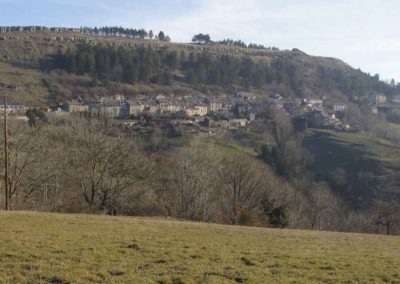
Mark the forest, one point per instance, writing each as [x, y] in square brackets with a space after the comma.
[166, 67]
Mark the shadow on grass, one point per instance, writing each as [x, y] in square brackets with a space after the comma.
[362, 170]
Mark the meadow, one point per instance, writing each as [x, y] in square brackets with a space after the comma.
[59, 248]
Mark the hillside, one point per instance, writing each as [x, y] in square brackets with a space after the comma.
[292, 73]
[56, 248]
[24, 85]
[358, 166]
[209, 108]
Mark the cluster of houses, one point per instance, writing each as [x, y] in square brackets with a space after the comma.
[225, 111]
[312, 112]
[236, 111]
[13, 108]
[381, 103]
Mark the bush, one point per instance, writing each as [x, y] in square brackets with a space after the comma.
[246, 219]
[279, 217]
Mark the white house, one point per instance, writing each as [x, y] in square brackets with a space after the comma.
[339, 107]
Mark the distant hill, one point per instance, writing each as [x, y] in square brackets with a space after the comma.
[178, 67]
[43, 67]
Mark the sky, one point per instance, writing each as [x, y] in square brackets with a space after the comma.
[363, 33]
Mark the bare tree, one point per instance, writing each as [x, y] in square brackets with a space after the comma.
[193, 179]
[32, 167]
[287, 156]
[243, 185]
[282, 129]
[387, 215]
[325, 209]
[106, 166]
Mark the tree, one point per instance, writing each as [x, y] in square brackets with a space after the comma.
[243, 185]
[107, 168]
[193, 180]
[172, 60]
[151, 34]
[286, 156]
[161, 36]
[34, 115]
[279, 217]
[33, 164]
[325, 209]
[386, 214]
[201, 38]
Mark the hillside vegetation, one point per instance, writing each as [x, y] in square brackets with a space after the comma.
[55, 248]
[243, 159]
[23, 85]
[361, 166]
[158, 64]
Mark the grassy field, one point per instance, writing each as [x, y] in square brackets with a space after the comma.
[57, 248]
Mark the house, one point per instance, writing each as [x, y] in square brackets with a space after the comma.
[114, 109]
[251, 116]
[339, 107]
[275, 104]
[164, 107]
[76, 106]
[175, 107]
[119, 98]
[196, 110]
[378, 99]
[314, 102]
[395, 99]
[161, 98]
[277, 96]
[191, 111]
[238, 122]
[153, 107]
[215, 105]
[14, 108]
[247, 96]
[136, 108]
[109, 108]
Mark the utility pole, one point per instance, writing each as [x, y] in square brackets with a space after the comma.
[6, 180]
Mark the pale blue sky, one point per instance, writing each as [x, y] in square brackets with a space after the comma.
[364, 33]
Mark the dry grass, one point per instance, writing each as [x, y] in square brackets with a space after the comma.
[56, 248]
[32, 91]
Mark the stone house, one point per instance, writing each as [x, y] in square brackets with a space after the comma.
[13, 108]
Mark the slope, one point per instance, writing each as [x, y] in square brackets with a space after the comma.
[55, 248]
[359, 166]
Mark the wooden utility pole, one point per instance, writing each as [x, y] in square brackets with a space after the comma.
[6, 180]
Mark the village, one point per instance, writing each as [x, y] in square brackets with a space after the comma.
[234, 111]
[227, 112]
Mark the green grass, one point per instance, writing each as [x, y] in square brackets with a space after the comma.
[57, 248]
